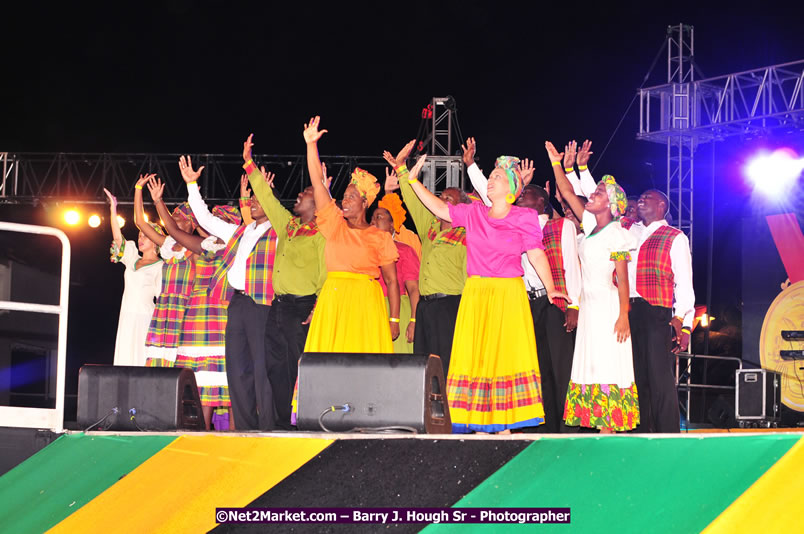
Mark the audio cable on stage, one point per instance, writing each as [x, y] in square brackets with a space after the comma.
[366, 430]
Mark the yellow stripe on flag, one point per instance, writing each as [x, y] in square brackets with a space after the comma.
[178, 488]
[772, 503]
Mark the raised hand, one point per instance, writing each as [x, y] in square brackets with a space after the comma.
[327, 179]
[311, 132]
[403, 155]
[112, 199]
[245, 192]
[156, 188]
[187, 172]
[143, 179]
[247, 145]
[391, 181]
[414, 172]
[469, 150]
[269, 176]
[585, 152]
[569, 154]
[526, 170]
[552, 153]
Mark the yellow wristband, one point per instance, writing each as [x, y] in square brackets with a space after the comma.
[192, 183]
[138, 186]
[394, 319]
[582, 167]
[248, 161]
[412, 180]
[572, 307]
[555, 163]
[412, 319]
[686, 330]
[568, 170]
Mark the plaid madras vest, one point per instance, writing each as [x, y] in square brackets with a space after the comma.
[453, 236]
[626, 223]
[259, 269]
[654, 275]
[552, 248]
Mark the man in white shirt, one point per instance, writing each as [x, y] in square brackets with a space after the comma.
[554, 324]
[244, 280]
[662, 310]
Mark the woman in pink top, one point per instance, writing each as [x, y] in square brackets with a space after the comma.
[493, 383]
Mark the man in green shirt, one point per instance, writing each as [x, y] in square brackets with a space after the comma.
[443, 267]
[299, 272]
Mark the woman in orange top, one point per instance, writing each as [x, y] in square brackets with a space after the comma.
[350, 315]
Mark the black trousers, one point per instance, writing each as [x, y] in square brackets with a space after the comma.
[555, 347]
[247, 339]
[653, 367]
[288, 312]
[435, 327]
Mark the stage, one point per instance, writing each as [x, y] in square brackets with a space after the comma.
[174, 481]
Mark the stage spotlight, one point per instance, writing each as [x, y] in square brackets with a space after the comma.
[121, 221]
[94, 221]
[72, 217]
[774, 174]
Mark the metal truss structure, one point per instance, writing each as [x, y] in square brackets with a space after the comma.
[685, 113]
[29, 178]
[440, 138]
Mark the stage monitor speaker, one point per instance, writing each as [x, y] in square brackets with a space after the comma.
[758, 396]
[381, 391]
[138, 398]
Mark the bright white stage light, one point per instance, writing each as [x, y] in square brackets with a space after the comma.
[94, 221]
[72, 217]
[121, 221]
[774, 174]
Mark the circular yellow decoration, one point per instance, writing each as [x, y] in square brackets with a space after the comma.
[786, 312]
[510, 198]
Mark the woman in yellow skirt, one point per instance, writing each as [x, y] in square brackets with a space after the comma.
[350, 314]
[493, 383]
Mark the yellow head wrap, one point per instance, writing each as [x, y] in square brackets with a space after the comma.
[366, 185]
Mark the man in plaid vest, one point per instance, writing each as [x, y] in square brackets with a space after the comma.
[245, 280]
[554, 324]
[662, 309]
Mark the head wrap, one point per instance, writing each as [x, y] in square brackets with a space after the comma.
[230, 214]
[510, 165]
[618, 202]
[184, 211]
[158, 229]
[366, 184]
[393, 204]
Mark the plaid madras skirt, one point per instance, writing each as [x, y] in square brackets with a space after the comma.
[493, 381]
[202, 348]
[164, 331]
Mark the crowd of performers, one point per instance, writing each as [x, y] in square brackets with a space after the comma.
[540, 321]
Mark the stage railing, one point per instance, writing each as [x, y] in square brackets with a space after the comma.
[688, 386]
[52, 418]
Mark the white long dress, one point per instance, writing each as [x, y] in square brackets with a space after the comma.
[141, 286]
[602, 391]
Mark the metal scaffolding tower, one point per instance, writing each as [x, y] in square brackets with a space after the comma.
[685, 113]
[440, 138]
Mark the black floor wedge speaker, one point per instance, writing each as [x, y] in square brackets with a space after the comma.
[381, 391]
[158, 398]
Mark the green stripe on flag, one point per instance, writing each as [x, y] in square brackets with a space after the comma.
[626, 483]
[67, 474]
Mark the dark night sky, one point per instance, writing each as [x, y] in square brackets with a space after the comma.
[191, 76]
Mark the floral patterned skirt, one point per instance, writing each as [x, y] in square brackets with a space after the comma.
[602, 406]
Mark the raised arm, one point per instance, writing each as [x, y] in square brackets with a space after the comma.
[117, 235]
[587, 182]
[479, 181]
[245, 200]
[562, 184]
[263, 184]
[311, 137]
[191, 242]
[208, 222]
[437, 207]
[139, 212]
